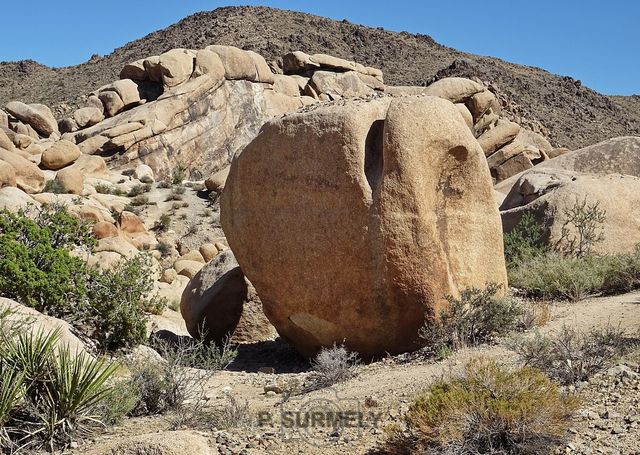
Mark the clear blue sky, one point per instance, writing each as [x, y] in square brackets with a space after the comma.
[594, 41]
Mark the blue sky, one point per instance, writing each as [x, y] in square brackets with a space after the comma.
[596, 42]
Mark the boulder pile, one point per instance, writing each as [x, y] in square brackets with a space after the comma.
[377, 211]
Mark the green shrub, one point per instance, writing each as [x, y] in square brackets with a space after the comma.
[555, 276]
[525, 241]
[55, 187]
[179, 174]
[558, 277]
[37, 269]
[571, 356]
[581, 229]
[35, 265]
[489, 410]
[478, 316]
[118, 297]
[139, 189]
[140, 200]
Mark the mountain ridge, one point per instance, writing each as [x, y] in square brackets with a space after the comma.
[574, 115]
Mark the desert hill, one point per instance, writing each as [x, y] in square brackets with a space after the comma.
[574, 115]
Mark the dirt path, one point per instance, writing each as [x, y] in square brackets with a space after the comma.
[379, 395]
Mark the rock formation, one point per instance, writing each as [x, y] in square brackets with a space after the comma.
[391, 200]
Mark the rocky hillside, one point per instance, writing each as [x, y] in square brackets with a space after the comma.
[575, 115]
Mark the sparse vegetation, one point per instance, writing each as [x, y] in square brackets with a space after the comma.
[140, 200]
[478, 316]
[163, 184]
[581, 229]
[490, 409]
[524, 242]
[332, 366]
[164, 248]
[55, 187]
[48, 394]
[574, 278]
[571, 356]
[163, 224]
[179, 174]
[128, 172]
[177, 382]
[139, 189]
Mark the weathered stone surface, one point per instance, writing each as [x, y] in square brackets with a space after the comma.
[134, 70]
[208, 251]
[263, 72]
[297, 62]
[217, 181]
[547, 193]
[67, 125]
[60, 154]
[38, 116]
[71, 179]
[176, 66]
[144, 173]
[501, 134]
[345, 85]
[454, 89]
[5, 142]
[127, 90]
[91, 166]
[401, 197]
[203, 127]
[286, 85]
[511, 167]
[104, 229]
[188, 268]
[19, 315]
[220, 301]
[466, 115]
[481, 102]
[238, 64]
[87, 116]
[209, 63]
[7, 174]
[112, 102]
[29, 177]
[14, 199]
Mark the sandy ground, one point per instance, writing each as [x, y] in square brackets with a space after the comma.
[376, 398]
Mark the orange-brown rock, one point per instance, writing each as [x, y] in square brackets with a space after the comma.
[376, 212]
[60, 154]
[104, 229]
[219, 303]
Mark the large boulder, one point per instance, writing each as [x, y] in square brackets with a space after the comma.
[87, 116]
[454, 89]
[71, 179]
[37, 116]
[377, 211]
[237, 63]
[620, 155]
[7, 174]
[547, 194]
[29, 177]
[20, 317]
[176, 66]
[219, 303]
[345, 85]
[59, 155]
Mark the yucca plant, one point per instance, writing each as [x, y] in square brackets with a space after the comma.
[77, 386]
[11, 395]
[31, 352]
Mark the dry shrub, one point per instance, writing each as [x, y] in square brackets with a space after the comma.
[332, 366]
[490, 409]
[571, 356]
